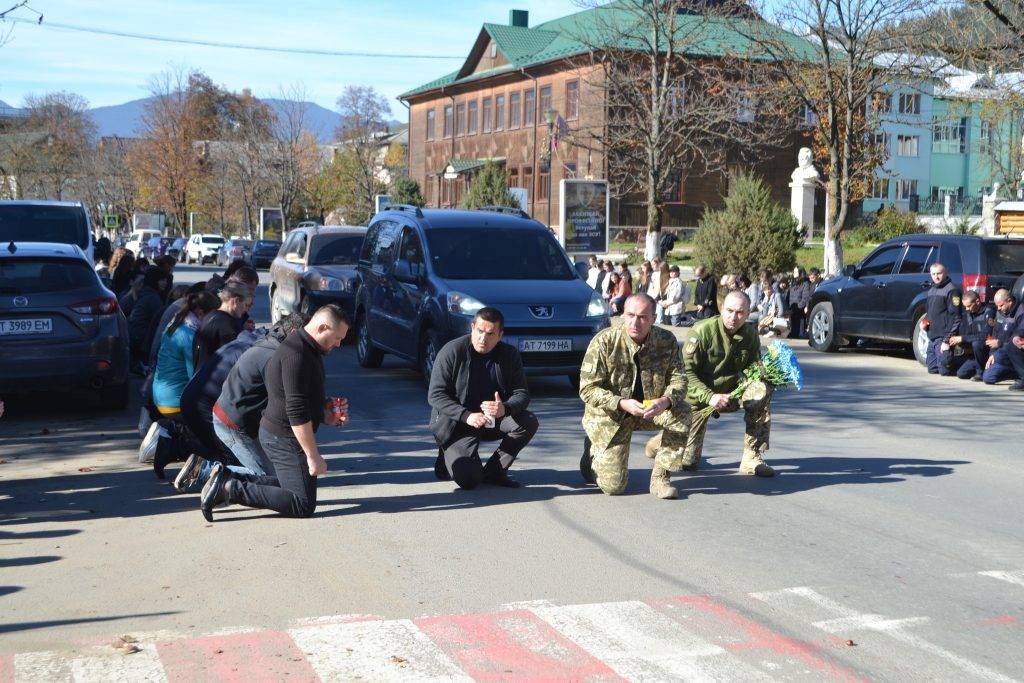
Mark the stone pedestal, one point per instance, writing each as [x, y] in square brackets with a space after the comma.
[801, 205]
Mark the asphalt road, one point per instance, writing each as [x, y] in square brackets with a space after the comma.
[891, 542]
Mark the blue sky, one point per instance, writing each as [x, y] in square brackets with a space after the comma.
[110, 70]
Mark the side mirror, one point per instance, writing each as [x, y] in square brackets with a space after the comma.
[407, 272]
[293, 258]
[850, 271]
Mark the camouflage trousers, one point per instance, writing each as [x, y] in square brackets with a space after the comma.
[610, 444]
[757, 414]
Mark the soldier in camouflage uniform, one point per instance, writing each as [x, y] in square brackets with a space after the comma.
[632, 379]
[715, 354]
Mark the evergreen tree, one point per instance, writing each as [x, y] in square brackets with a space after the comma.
[405, 190]
[489, 188]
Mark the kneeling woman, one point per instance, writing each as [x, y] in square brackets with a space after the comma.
[174, 364]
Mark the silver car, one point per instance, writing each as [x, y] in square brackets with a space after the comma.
[60, 328]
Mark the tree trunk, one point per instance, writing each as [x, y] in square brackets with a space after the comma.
[833, 260]
[653, 224]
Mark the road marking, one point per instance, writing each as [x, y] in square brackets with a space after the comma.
[640, 643]
[850, 619]
[1014, 577]
[375, 650]
[514, 644]
[264, 655]
[99, 664]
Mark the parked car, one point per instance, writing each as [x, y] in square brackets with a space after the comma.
[60, 328]
[139, 239]
[37, 220]
[264, 252]
[316, 266]
[425, 273]
[234, 249]
[306, 224]
[177, 249]
[203, 249]
[883, 297]
[157, 247]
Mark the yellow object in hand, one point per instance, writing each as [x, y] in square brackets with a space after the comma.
[649, 402]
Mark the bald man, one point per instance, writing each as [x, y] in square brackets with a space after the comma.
[1010, 318]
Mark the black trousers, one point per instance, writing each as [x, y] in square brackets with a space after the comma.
[1016, 358]
[797, 323]
[461, 451]
[292, 492]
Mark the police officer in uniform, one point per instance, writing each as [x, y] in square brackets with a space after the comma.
[632, 379]
[975, 327]
[1011, 317]
[943, 311]
[716, 353]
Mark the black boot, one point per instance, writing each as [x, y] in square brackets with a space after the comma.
[440, 468]
[214, 491]
[496, 474]
[1017, 386]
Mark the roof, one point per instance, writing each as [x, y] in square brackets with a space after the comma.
[558, 39]
[37, 202]
[469, 218]
[42, 249]
[463, 165]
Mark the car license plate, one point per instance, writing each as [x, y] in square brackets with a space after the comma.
[26, 326]
[530, 345]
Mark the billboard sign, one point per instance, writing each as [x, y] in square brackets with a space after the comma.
[271, 223]
[583, 212]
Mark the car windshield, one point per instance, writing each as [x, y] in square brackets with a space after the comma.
[213, 240]
[1005, 258]
[497, 254]
[180, 242]
[38, 275]
[337, 251]
[267, 245]
[28, 223]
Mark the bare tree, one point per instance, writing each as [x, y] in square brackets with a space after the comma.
[363, 120]
[675, 105]
[856, 59]
[67, 138]
[109, 184]
[249, 150]
[294, 149]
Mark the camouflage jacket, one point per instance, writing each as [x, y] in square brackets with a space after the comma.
[715, 359]
[608, 371]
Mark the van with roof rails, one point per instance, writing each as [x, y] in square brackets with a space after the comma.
[426, 272]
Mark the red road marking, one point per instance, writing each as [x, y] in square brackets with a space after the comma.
[7, 669]
[1000, 621]
[760, 637]
[250, 657]
[514, 645]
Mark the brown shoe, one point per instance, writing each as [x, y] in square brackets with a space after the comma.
[660, 485]
[755, 464]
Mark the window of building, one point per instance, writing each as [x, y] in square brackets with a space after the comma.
[487, 115]
[431, 114]
[910, 103]
[526, 177]
[449, 115]
[878, 188]
[806, 118]
[949, 137]
[543, 178]
[673, 187]
[745, 108]
[905, 188]
[513, 177]
[471, 123]
[529, 107]
[906, 145]
[939, 193]
[570, 169]
[985, 138]
[460, 119]
[881, 103]
[499, 112]
[880, 141]
[494, 50]
[515, 110]
[545, 100]
[572, 100]
[677, 98]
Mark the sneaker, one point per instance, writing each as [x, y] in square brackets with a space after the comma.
[976, 378]
[148, 447]
[1017, 386]
[213, 491]
[189, 474]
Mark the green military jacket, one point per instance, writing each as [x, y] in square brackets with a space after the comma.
[714, 360]
[608, 371]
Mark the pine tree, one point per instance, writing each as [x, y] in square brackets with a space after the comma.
[405, 190]
[489, 188]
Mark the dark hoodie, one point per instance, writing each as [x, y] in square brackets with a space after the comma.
[243, 397]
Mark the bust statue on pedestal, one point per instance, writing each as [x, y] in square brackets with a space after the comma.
[805, 180]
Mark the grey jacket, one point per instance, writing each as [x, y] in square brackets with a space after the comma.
[449, 385]
[244, 394]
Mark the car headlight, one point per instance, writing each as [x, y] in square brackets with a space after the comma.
[463, 304]
[333, 284]
[596, 308]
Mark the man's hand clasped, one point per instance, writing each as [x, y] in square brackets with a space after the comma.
[637, 409]
[488, 410]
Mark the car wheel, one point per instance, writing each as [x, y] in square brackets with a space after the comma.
[429, 346]
[920, 340]
[114, 397]
[823, 335]
[368, 355]
[275, 314]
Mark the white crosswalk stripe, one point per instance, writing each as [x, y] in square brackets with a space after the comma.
[92, 665]
[1015, 577]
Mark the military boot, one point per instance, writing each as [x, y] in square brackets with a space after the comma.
[753, 463]
[660, 485]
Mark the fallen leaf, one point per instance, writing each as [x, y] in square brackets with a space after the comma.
[85, 469]
[130, 649]
[850, 643]
[218, 652]
[129, 639]
[395, 659]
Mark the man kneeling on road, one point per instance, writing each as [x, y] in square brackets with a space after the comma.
[632, 379]
[716, 353]
[478, 393]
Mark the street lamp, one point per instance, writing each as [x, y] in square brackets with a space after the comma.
[551, 116]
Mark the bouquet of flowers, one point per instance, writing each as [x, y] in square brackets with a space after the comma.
[777, 367]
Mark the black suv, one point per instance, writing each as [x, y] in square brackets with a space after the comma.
[883, 297]
[425, 274]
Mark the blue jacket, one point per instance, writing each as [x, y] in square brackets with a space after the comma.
[173, 367]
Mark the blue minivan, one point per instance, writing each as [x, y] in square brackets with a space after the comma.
[426, 272]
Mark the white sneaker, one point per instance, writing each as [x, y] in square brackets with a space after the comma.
[148, 447]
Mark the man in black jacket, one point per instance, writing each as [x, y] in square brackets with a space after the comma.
[478, 393]
[296, 407]
[943, 309]
[706, 294]
[976, 327]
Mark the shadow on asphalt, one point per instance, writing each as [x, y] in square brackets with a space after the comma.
[29, 625]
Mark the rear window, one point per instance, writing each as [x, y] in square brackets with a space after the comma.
[1004, 258]
[337, 251]
[497, 254]
[267, 245]
[39, 275]
[213, 240]
[58, 224]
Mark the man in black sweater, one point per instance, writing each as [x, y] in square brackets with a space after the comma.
[222, 326]
[478, 393]
[296, 406]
